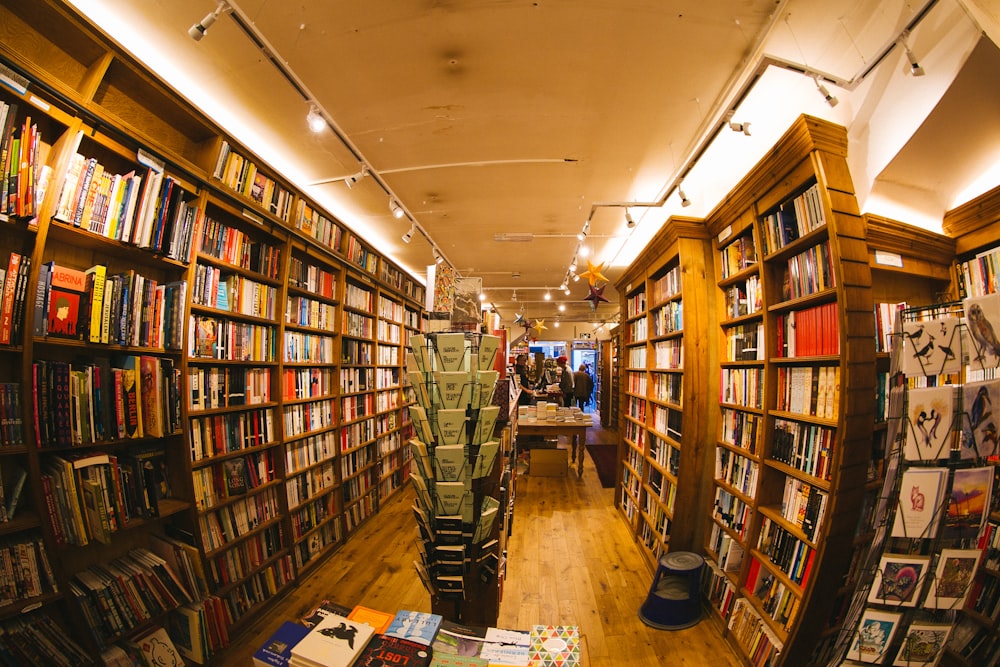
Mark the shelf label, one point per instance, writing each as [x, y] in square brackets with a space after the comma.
[725, 233]
[250, 215]
[40, 103]
[888, 259]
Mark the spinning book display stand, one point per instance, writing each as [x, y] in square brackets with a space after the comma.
[457, 474]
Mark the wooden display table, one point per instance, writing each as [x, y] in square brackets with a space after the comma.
[575, 429]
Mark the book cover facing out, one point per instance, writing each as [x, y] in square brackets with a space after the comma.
[68, 287]
[389, 651]
[277, 650]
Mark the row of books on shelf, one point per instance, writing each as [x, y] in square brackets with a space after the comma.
[25, 571]
[87, 402]
[36, 638]
[312, 278]
[22, 181]
[980, 275]
[793, 556]
[793, 219]
[239, 173]
[214, 338]
[804, 505]
[759, 642]
[778, 600]
[214, 288]
[808, 272]
[13, 298]
[11, 421]
[809, 390]
[809, 332]
[213, 435]
[739, 255]
[127, 592]
[232, 477]
[806, 447]
[213, 387]
[142, 207]
[334, 635]
[236, 247]
[92, 496]
[232, 521]
[123, 308]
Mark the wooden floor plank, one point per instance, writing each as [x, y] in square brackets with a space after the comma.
[570, 560]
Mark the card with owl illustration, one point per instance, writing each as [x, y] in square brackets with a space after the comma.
[898, 580]
[919, 507]
[932, 347]
[980, 419]
[952, 578]
[930, 417]
[982, 324]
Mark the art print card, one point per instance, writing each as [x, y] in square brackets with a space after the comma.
[969, 503]
[982, 323]
[932, 347]
[930, 414]
[874, 635]
[980, 437]
[899, 579]
[919, 506]
[923, 644]
[955, 569]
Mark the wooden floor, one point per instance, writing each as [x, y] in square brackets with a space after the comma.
[571, 561]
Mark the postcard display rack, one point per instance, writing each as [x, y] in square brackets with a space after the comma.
[932, 567]
[456, 473]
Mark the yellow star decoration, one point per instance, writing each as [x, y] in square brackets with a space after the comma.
[593, 273]
[540, 325]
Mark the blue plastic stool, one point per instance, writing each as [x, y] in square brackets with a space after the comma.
[674, 600]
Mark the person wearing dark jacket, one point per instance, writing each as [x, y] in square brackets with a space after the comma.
[583, 386]
[565, 381]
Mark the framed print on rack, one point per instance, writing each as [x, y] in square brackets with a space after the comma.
[899, 580]
[952, 578]
[982, 321]
[874, 635]
[923, 645]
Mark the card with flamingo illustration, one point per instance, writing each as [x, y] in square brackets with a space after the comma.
[930, 414]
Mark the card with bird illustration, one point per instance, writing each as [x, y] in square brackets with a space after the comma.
[980, 419]
[933, 347]
[982, 319]
[930, 415]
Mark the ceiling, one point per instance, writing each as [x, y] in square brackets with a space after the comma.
[532, 118]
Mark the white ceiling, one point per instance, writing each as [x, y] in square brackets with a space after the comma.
[519, 116]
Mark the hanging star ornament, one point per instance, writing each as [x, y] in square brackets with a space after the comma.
[596, 296]
[539, 325]
[519, 320]
[593, 273]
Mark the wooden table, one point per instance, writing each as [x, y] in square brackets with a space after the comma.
[575, 430]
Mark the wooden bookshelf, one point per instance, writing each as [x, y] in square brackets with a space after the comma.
[251, 428]
[666, 384]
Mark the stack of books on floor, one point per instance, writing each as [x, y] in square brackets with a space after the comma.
[333, 635]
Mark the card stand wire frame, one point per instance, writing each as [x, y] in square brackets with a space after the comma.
[884, 515]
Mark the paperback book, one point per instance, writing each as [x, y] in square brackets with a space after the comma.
[416, 626]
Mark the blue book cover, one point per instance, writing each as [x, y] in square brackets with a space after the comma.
[417, 626]
[277, 649]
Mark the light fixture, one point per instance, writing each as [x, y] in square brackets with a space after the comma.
[352, 180]
[830, 99]
[547, 296]
[315, 119]
[562, 307]
[685, 202]
[915, 68]
[629, 220]
[397, 210]
[583, 232]
[408, 236]
[513, 296]
[572, 266]
[198, 30]
[482, 296]
[740, 127]
[576, 278]
[566, 291]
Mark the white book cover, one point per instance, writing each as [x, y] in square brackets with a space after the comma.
[335, 642]
[930, 418]
[450, 352]
[483, 387]
[918, 512]
[454, 389]
[451, 463]
[422, 424]
[484, 425]
[418, 346]
[452, 499]
[488, 346]
[485, 458]
[451, 427]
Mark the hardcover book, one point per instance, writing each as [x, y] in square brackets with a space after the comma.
[277, 650]
[389, 651]
[454, 389]
[451, 464]
[417, 626]
[67, 294]
[483, 387]
[158, 648]
[554, 646]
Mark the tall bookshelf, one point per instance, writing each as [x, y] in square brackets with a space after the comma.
[238, 441]
[665, 388]
[807, 399]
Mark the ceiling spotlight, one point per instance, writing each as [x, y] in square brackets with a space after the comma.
[740, 127]
[583, 232]
[408, 236]
[566, 292]
[547, 296]
[397, 210]
[915, 68]
[830, 99]
[482, 296]
[438, 259]
[572, 266]
[352, 180]
[198, 30]
[513, 296]
[315, 119]
[685, 202]
[629, 220]
[576, 278]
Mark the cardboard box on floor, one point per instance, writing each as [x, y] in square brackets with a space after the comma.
[548, 462]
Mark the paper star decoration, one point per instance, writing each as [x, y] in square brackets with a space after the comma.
[540, 325]
[519, 320]
[593, 273]
[596, 296]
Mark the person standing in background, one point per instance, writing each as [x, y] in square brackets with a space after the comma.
[565, 381]
[521, 370]
[583, 386]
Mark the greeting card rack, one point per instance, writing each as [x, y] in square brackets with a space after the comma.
[928, 588]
